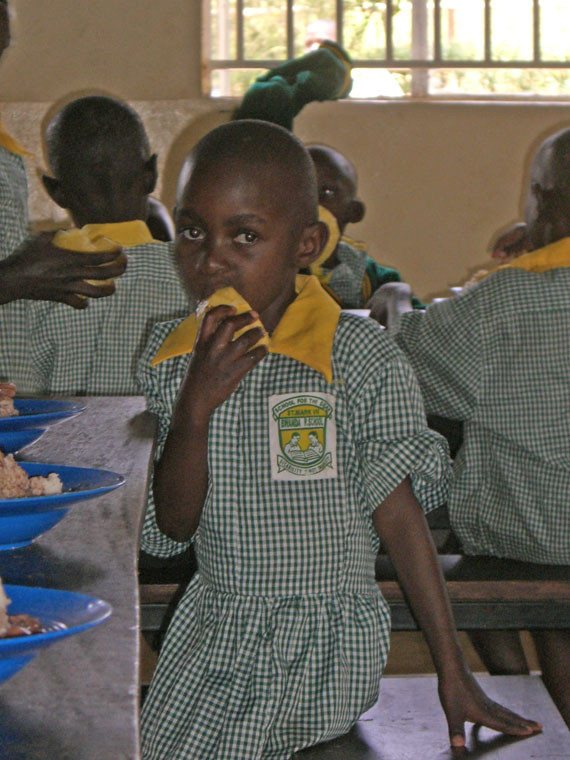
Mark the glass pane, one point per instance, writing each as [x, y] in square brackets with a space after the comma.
[265, 29]
[376, 83]
[364, 33]
[223, 41]
[554, 30]
[462, 24]
[412, 33]
[232, 82]
[526, 82]
[511, 30]
[313, 22]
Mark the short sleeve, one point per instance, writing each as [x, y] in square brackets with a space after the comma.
[394, 440]
[159, 386]
[444, 347]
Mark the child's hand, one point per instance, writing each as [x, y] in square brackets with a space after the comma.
[219, 362]
[389, 300]
[511, 243]
[41, 271]
[463, 700]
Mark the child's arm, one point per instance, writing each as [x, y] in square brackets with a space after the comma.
[218, 364]
[403, 530]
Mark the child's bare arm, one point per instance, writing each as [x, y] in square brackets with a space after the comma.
[403, 530]
[218, 364]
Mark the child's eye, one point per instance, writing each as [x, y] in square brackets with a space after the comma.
[326, 193]
[192, 233]
[246, 237]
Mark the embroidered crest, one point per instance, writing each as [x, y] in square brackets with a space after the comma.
[302, 436]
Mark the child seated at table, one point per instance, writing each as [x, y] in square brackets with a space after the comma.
[496, 358]
[348, 272]
[280, 639]
[103, 172]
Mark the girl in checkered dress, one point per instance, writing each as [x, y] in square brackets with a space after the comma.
[281, 638]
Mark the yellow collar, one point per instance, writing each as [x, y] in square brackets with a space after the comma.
[305, 332]
[551, 256]
[8, 142]
[126, 234]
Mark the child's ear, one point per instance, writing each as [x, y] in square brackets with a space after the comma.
[53, 189]
[313, 240]
[150, 174]
[356, 211]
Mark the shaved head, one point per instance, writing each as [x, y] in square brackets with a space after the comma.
[100, 157]
[336, 161]
[547, 211]
[248, 145]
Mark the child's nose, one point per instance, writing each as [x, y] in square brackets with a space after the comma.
[213, 259]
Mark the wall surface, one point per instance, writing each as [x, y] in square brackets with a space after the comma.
[439, 179]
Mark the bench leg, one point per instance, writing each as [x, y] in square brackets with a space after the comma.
[501, 652]
[553, 651]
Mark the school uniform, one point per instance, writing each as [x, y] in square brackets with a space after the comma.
[13, 231]
[95, 351]
[356, 276]
[281, 638]
[496, 358]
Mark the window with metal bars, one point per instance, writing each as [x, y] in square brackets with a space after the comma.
[399, 48]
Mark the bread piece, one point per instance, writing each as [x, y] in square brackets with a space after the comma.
[230, 297]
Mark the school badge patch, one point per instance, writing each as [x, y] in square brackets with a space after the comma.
[302, 436]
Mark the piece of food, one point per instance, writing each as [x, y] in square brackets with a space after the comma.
[76, 240]
[15, 484]
[230, 297]
[7, 393]
[16, 625]
[4, 602]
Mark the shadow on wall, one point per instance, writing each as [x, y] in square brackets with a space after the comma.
[180, 146]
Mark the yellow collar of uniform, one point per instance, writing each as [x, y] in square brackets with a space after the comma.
[126, 234]
[332, 242]
[551, 256]
[305, 331]
[8, 142]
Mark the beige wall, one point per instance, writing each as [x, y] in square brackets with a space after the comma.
[439, 179]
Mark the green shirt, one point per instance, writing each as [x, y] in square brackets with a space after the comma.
[95, 351]
[281, 637]
[497, 357]
[14, 346]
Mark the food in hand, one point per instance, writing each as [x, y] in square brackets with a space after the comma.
[15, 625]
[230, 297]
[15, 483]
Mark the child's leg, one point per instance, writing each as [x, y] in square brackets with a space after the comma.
[501, 652]
[553, 650]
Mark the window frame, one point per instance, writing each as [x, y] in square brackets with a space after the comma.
[420, 65]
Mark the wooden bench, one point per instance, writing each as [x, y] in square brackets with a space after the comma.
[485, 593]
[407, 723]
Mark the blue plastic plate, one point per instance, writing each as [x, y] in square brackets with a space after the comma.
[62, 613]
[22, 520]
[39, 413]
[14, 440]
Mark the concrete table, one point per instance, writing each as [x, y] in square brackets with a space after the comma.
[78, 700]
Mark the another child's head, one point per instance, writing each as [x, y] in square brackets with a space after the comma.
[99, 154]
[246, 215]
[547, 211]
[337, 181]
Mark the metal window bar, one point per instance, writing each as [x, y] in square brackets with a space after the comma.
[423, 61]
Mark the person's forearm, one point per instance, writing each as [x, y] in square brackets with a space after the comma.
[404, 532]
[181, 476]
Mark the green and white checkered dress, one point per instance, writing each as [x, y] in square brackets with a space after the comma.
[280, 640]
[13, 230]
[96, 351]
[498, 358]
